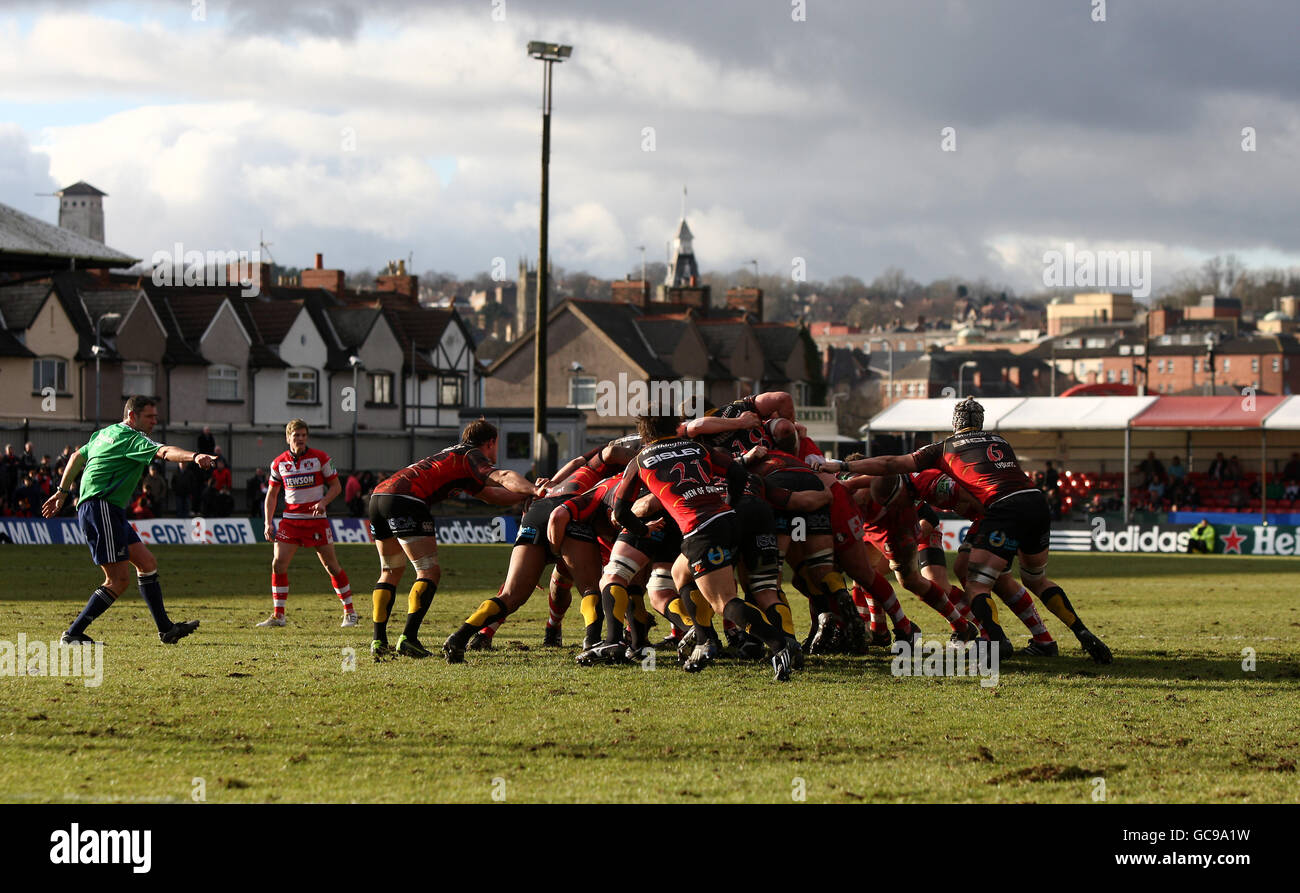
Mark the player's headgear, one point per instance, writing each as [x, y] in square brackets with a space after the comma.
[968, 414]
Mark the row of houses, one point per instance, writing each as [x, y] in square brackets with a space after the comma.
[73, 344]
[595, 345]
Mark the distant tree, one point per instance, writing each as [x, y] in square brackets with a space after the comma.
[361, 280]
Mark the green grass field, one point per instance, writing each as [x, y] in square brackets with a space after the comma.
[272, 714]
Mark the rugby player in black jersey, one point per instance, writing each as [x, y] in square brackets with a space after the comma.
[1016, 518]
[680, 473]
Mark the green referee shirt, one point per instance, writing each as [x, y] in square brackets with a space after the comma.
[116, 457]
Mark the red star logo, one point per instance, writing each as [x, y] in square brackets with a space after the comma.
[1232, 542]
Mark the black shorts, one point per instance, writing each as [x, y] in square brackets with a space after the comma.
[1021, 522]
[660, 546]
[404, 517]
[713, 546]
[816, 523]
[758, 548]
[532, 527]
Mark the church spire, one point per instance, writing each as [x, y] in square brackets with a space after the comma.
[683, 271]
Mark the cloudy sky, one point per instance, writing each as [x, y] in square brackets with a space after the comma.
[808, 129]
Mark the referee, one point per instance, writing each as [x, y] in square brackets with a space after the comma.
[113, 461]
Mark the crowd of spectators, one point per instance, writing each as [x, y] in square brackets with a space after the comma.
[1169, 489]
[26, 481]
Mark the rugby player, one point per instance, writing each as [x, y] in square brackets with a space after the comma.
[310, 484]
[403, 527]
[934, 489]
[889, 523]
[531, 553]
[113, 460]
[680, 473]
[1016, 519]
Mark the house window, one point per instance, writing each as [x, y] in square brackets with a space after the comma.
[1123, 376]
[301, 386]
[1196, 365]
[137, 378]
[50, 372]
[1254, 364]
[1110, 375]
[1275, 364]
[381, 387]
[223, 383]
[582, 391]
[1160, 366]
[1227, 363]
[449, 392]
[518, 445]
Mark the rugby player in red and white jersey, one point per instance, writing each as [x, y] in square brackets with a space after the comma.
[310, 484]
[873, 596]
[1016, 519]
[403, 527]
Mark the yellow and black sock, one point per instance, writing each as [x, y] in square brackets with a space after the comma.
[985, 610]
[383, 597]
[778, 614]
[613, 600]
[750, 618]
[490, 611]
[592, 615]
[676, 615]
[638, 618]
[417, 605]
[1057, 602]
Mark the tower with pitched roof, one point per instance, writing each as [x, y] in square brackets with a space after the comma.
[81, 209]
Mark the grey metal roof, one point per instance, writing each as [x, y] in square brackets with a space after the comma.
[27, 243]
[81, 187]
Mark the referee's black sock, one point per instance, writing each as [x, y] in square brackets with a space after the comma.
[151, 590]
[99, 602]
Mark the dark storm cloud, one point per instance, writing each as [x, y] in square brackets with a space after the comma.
[1126, 130]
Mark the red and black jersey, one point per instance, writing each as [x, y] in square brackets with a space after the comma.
[775, 460]
[596, 507]
[586, 506]
[457, 469]
[736, 442]
[597, 467]
[980, 461]
[681, 474]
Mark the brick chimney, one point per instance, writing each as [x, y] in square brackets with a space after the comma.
[630, 291]
[398, 281]
[259, 274]
[319, 277]
[749, 300]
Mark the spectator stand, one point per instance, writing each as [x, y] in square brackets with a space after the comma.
[1092, 440]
